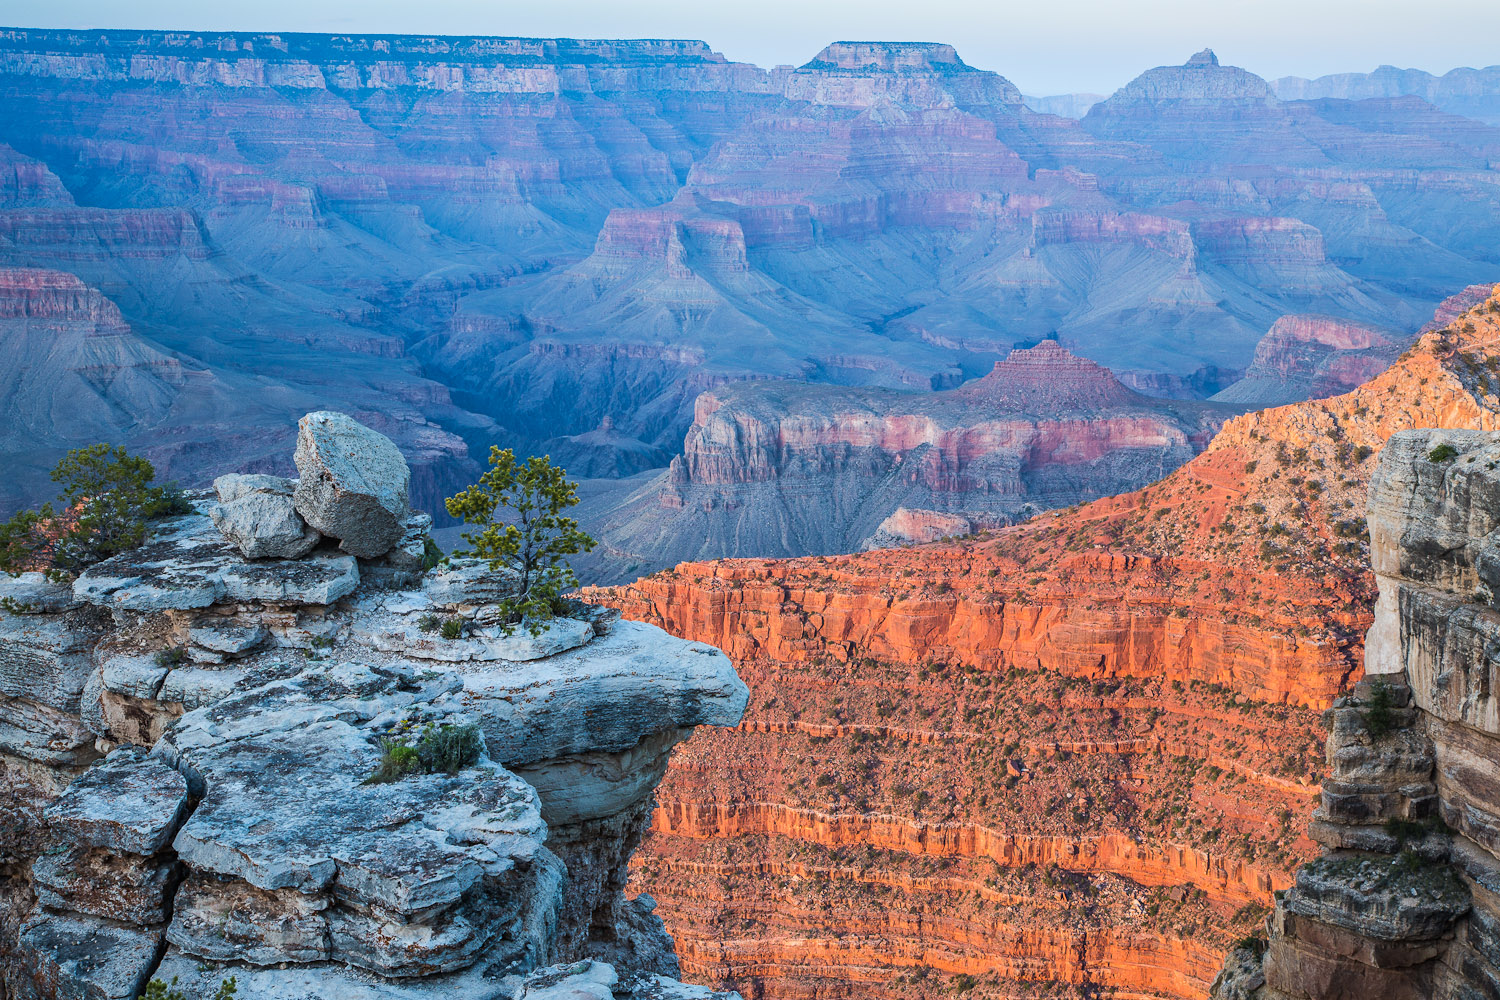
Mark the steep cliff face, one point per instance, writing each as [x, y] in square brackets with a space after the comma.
[1205, 618]
[1403, 902]
[328, 775]
[1313, 357]
[779, 468]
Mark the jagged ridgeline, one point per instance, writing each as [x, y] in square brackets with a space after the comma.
[278, 750]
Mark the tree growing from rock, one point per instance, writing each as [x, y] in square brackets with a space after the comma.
[518, 509]
[107, 497]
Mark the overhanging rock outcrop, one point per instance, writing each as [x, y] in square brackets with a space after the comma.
[1405, 902]
[187, 737]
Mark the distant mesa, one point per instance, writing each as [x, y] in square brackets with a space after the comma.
[887, 56]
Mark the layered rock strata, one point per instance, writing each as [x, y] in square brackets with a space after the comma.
[448, 235]
[1207, 617]
[1312, 357]
[191, 740]
[1403, 902]
[782, 468]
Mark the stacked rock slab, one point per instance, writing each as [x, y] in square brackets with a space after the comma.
[1405, 903]
[188, 728]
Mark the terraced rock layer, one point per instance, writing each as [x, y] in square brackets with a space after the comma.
[1126, 690]
[562, 243]
[784, 468]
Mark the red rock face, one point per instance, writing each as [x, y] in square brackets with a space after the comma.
[809, 468]
[1313, 357]
[883, 821]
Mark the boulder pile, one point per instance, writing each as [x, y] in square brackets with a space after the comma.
[197, 740]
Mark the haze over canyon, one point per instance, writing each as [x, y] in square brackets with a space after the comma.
[564, 244]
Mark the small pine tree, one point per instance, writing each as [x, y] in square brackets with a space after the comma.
[533, 539]
[106, 499]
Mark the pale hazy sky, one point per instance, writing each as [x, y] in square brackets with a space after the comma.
[1044, 46]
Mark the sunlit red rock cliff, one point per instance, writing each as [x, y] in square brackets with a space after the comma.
[1082, 750]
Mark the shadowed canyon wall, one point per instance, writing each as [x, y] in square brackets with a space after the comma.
[561, 244]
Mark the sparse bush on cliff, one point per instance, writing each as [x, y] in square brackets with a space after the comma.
[1442, 453]
[1379, 717]
[107, 497]
[533, 539]
[444, 749]
[159, 990]
[1253, 943]
[172, 656]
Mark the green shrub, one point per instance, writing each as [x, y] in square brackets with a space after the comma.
[449, 749]
[106, 499]
[158, 990]
[1379, 716]
[431, 554]
[397, 760]
[429, 623]
[172, 656]
[452, 628]
[439, 749]
[1442, 453]
[1253, 943]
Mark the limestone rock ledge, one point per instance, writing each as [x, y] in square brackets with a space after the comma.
[185, 738]
[1405, 903]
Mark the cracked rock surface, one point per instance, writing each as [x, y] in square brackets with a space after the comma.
[199, 730]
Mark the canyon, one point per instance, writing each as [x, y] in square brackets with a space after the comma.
[1083, 750]
[561, 244]
[783, 468]
[1003, 501]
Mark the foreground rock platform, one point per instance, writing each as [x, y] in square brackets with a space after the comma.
[196, 731]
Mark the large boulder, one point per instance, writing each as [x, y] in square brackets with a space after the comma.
[257, 515]
[354, 484]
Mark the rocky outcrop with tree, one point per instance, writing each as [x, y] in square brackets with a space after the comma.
[281, 742]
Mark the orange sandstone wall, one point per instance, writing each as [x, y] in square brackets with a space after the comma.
[1070, 757]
